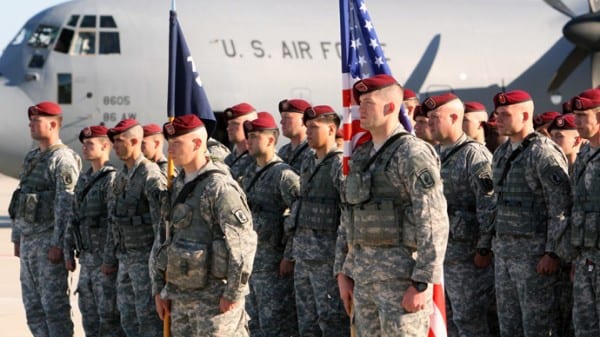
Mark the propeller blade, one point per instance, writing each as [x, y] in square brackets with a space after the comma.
[561, 7]
[595, 70]
[575, 57]
[417, 77]
[594, 5]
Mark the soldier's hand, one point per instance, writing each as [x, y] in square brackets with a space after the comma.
[17, 249]
[70, 265]
[108, 270]
[413, 301]
[346, 287]
[482, 261]
[225, 305]
[286, 267]
[55, 254]
[548, 265]
[163, 307]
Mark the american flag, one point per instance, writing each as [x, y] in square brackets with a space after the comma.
[362, 57]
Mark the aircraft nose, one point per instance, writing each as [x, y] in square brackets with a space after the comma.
[14, 130]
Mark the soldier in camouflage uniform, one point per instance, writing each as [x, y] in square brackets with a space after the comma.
[41, 208]
[394, 228]
[533, 203]
[134, 220]
[585, 221]
[152, 146]
[239, 159]
[86, 235]
[467, 176]
[208, 255]
[272, 188]
[316, 219]
[297, 150]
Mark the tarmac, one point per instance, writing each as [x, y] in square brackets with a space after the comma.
[12, 313]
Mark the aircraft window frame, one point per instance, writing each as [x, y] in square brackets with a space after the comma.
[89, 21]
[64, 82]
[22, 36]
[107, 21]
[37, 61]
[109, 42]
[43, 36]
[63, 43]
[80, 43]
[73, 20]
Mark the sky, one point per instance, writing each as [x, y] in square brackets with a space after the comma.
[15, 13]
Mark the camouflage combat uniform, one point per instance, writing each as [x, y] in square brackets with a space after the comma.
[238, 163]
[217, 151]
[208, 255]
[585, 224]
[134, 218]
[467, 176]
[163, 165]
[316, 220]
[295, 156]
[42, 207]
[97, 292]
[271, 190]
[393, 231]
[533, 202]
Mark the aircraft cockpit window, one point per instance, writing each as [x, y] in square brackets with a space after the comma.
[85, 44]
[107, 22]
[89, 21]
[43, 36]
[73, 21]
[64, 41]
[20, 37]
[109, 43]
[37, 61]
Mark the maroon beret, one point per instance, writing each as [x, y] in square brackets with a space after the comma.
[419, 112]
[264, 121]
[317, 111]
[588, 99]
[293, 105]
[367, 85]
[474, 107]
[564, 122]
[181, 125]
[239, 110]
[434, 102]
[543, 118]
[44, 109]
[93, 132]
[511, 97]
[151, 129]
[409, 94]
[121, 127]
[567, 108]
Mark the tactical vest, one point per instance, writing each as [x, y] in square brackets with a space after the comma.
[93, 212]
[586, 213]
[379, 215]
[267, 207]
[197, 248]
[319, 207]
[132, 222]
[518, 212]
[34, 200]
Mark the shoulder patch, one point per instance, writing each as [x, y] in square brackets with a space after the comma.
[486, 182]
[425, 178]
[556, 175]
[240, 215]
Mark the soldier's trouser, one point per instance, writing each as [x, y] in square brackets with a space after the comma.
[44, 289]
[199, 316]
[318, 304]
[98, 303]
[271, 301]
[527, 301]
[135, 301]
[378, 310]
[470, 290]
[586, 299]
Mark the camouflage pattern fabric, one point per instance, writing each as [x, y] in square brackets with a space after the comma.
[238, 163]
[295, 156]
